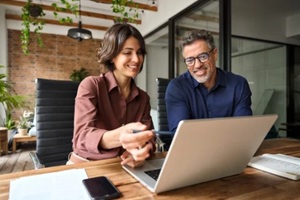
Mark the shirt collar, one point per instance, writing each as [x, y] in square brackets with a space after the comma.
[221, 78]
[112, 83]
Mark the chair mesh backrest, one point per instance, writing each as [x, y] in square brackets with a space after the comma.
[162, 118]
[55, 101]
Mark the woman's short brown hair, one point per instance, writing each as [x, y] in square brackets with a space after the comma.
[113, 42]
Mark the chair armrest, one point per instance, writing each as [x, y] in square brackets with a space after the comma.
[36, 162]
[163, 140]
[160, 144]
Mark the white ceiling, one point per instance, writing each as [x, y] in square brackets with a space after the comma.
[262, 8]
[92, 23]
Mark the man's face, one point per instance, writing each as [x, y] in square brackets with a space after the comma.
[203, 72]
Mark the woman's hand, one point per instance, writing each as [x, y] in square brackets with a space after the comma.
[124, 137]
[136, 157]
[127, 159]
[134, 141]
[137, 145]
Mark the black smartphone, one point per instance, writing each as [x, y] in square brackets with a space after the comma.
[101, 188]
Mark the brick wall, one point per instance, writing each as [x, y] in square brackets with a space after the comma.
[56, 60]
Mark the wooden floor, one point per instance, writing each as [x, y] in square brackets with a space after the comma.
[19, 161]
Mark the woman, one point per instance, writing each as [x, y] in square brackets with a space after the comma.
[110, 106]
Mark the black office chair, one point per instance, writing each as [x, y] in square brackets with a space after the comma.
[164, 140]
[273, 133]
[55, 101]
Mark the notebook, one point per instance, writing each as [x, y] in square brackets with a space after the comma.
[204, 150]
[278, 164]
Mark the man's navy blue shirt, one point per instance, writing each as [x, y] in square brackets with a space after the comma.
[188, 99]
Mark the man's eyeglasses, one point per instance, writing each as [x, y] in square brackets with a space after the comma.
[203, 57]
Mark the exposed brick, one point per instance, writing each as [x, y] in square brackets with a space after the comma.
[56, 60]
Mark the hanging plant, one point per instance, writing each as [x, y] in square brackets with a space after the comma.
[35, 10]
[32, 16]
[67, 6]
[126, 14]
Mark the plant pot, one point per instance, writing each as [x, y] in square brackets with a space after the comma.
[23, 131]
[35, 10]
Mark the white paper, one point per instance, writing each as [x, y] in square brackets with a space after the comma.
[63, 185]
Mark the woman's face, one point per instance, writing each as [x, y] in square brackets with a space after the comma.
[130, 59]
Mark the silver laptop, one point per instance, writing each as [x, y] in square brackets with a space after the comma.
[204, 150]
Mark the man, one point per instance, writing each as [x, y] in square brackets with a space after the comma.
[205, 91]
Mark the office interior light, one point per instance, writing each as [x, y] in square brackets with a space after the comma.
[79, 33]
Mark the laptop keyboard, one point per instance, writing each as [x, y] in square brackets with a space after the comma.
[153, 173]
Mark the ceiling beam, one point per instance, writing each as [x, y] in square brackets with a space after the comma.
[12, 3]
[133, 4]
[55, 22]
[50, 8]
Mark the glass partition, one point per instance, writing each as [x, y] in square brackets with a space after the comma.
[263, 64]
[156, 62]
[297, 84]
[205, 16]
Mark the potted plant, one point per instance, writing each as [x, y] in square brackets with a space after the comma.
[10, 124]
[35, 10]
[8, 100]
[23, 125]
[79, 75]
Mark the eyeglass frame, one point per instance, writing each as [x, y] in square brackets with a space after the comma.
[198, 57]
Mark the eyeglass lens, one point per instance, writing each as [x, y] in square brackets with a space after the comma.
[203, 57]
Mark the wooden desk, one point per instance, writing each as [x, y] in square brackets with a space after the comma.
[251, 184]
[22, 138]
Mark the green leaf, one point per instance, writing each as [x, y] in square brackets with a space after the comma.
[39, 23]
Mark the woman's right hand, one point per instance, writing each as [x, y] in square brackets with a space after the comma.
[137, 144]
[131, 140]
[127, 159]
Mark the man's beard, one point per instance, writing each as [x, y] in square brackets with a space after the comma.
[202, 79]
